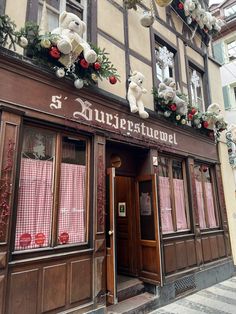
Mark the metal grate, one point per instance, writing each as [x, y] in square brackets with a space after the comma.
[185, 284]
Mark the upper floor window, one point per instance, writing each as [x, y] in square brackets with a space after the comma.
[164, 62]
[55, 7]
[206, 202]
[230, 11]
[196, 88]
[53, 190]
[172, 191]
[231, 49]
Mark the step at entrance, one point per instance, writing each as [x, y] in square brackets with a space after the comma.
[143, 303]
[128, 287]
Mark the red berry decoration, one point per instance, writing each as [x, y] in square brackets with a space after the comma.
[84, 64]
[112, 79]
[54, 53]
[204, 168]
[180, 6]
[205, 124]
[97, 66]
[193, 111]
[173, 107]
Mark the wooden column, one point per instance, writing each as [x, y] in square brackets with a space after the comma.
[223, 211]
[194, 210]
[9, 134]
[99, 221]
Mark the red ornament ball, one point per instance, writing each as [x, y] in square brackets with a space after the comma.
[180, 6]
[97, 66]
[193, 111]
[204, 168]
[190, 116]
[54, 53]
[112, 79]
[205, 124]
[84, 64]
[173, 107]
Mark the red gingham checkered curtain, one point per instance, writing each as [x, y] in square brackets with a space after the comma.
[72, 203]
[34, 212]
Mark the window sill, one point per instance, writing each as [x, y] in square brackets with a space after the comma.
[47, 254]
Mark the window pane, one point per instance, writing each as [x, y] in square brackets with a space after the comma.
[53, 18]
[179, 195]
[164, 62]
[72, 206]
[209, 197]
[146, 210]
[200, 199]
[196, 89]
[34, 212]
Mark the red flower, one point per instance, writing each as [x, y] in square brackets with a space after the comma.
[173, 107]
[180, 6]
[97, 66]
[190, 116]
[112, 79]
[84, 64]
[204, 168]
[54, 53]
[193, 111]
[205, 124]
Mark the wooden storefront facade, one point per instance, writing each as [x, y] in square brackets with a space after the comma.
[121, 235]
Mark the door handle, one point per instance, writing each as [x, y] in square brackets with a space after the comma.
[110, 232]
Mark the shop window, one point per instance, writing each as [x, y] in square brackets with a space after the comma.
[205, 197]
[172, 191]
[196, 88]
[165, 65]
[54, 8]
[52, 206]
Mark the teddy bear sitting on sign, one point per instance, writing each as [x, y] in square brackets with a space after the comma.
[70, 31]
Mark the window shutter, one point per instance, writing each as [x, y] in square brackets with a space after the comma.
[218, 50]
[226, 96]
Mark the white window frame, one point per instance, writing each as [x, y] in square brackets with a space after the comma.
[196, 100]
[62, 7]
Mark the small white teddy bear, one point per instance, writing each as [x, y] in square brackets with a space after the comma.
[135, 92]
[213, 115]
[168, 91]
[71, 27]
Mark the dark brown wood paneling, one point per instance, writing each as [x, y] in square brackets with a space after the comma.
[81, 280]
[181, 255]
[214, 247]
[169, 258]
[3, 260]
[23, 292]
[100, 282]
[54, 287]
[206, 248]
[149, 259]
[191, 252]
[221, 245]
[2, 280]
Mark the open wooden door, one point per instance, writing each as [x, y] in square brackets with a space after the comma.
[110, 238]
[148, 230]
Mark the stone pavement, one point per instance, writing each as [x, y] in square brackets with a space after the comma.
[217, 299]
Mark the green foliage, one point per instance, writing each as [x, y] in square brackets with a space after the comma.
[7, 32]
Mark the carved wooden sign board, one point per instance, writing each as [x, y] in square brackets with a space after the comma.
[89, 109]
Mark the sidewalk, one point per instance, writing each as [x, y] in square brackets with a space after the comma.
[217, 299]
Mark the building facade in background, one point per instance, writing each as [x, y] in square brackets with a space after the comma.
[93, 195]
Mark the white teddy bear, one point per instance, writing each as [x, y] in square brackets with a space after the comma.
[213, 115]
[71, 27]
[167, 90]
[135, 92]
[209, 20]
[189, 6]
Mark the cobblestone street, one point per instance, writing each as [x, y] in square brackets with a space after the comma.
[217, 299]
